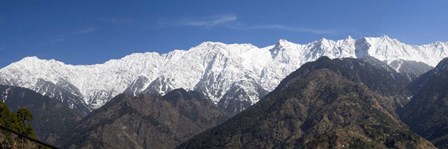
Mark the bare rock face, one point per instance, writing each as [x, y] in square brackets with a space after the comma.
[318, 106]
[145, 121]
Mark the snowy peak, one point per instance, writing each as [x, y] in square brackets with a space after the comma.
[388, 49]
[29, 59]
[212, 68]
[33, 60]
[284, 43]
[38, 62]
[381, 39]
[326, 43]
[207, 44]
[349, 37]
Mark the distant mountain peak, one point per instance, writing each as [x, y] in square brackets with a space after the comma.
[379, 40]
[30, 58]
[324, 40]
[33, 59]
[210, 43]
[284, 43]
[386, 37]
[349, 37]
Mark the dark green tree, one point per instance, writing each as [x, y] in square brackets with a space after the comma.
[19, 121]
[25, 117]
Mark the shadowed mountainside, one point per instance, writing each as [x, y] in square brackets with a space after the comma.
[145, 121]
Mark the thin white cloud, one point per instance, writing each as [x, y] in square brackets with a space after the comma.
[294, 29]
[205, 21]
[231, 22]
[208, 21]
[283, 28]
[86, 30]
[117, 20]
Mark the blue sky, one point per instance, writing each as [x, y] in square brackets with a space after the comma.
[93, 31]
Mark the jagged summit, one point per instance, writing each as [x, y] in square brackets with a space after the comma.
[349, 37]
[211, 68]
[284, 43]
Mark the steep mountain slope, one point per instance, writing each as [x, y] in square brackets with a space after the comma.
[212, 68]
[411, 69]
[51, 118]
[379, 78]
[237, 98]
[145, 121]
[426, 113]
[318, 106]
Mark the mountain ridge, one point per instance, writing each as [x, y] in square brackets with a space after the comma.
[211, 68]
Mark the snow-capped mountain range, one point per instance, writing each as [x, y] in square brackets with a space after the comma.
[212, 68]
